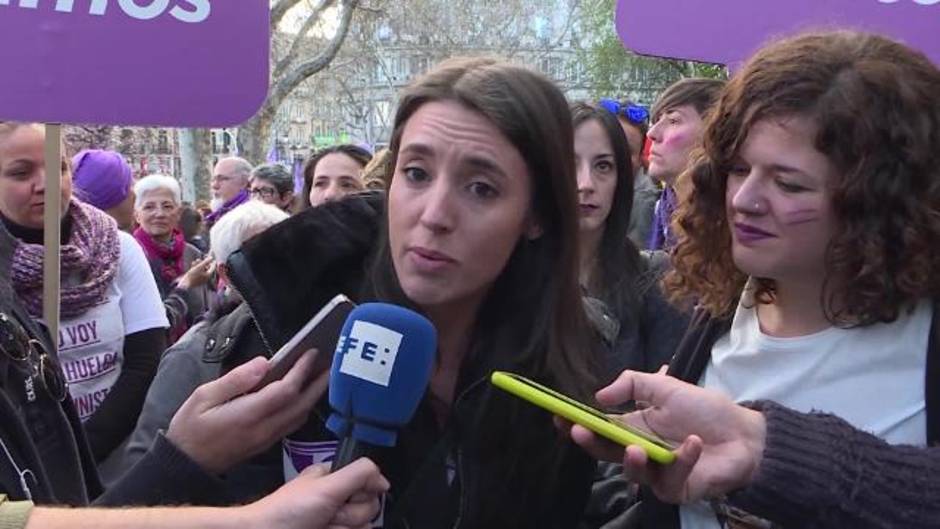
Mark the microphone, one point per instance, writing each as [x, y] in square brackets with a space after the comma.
[380, 371]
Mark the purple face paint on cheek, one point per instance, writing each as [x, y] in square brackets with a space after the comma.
[676, 139]
[800, 216]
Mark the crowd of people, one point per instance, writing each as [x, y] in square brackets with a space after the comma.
[745, 269]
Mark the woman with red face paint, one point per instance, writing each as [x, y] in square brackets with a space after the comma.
[809, 241]
[678, 120]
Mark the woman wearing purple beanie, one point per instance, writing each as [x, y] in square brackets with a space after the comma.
[112, 325]
[104, 180]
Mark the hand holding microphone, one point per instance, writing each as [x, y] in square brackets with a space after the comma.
[347, 498]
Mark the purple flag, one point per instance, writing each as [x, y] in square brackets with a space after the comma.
[729, 31]
[173, 63]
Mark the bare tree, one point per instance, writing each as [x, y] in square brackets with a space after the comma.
[292, 67]
[293, 63]
[80, 137]
[395, 41]
[195, 161]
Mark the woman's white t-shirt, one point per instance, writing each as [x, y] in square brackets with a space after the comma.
[873, 377]
[91, 346]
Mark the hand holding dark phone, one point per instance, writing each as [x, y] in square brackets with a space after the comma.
[320, 333]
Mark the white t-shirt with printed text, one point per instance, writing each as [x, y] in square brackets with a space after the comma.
[873, 377]
[91, 346]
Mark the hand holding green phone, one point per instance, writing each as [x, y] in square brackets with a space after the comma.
[656, 449]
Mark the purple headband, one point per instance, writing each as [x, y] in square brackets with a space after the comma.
[101, 178]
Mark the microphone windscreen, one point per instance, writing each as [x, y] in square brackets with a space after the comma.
[381, 369]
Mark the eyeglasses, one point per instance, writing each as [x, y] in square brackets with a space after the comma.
[263, 192]
[633, 113]
[16, 344]
[150, 207]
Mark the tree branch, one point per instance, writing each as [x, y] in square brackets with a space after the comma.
[357, 124]
[298, 41]
[302, 71]
[373, 10]
[552, 46]
[278, 11]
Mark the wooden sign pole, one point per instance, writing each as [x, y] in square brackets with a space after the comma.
[52, 232]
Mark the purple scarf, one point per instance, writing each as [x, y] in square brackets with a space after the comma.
[92, 255]
[170, 256]
[229, 205]
[662, 237]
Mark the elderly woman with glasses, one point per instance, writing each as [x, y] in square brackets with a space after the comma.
[273, 184]
[179, 268]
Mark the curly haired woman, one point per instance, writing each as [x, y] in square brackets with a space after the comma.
[808, 232]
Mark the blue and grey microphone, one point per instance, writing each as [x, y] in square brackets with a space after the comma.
[380, 371]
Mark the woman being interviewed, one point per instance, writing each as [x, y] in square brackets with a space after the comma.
[479, 232]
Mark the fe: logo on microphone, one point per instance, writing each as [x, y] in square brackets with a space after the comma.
[369, 352]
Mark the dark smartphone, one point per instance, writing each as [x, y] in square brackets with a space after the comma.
[320, 333]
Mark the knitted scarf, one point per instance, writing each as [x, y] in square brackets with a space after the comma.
[229, 205]
[662, 237]
[91, 255]
[169, 255]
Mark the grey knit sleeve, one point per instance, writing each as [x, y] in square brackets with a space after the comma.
[819, 471]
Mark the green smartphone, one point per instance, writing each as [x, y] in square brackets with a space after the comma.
[656, 449]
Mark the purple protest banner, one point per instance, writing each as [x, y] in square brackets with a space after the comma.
[134, 62]
[728, 31]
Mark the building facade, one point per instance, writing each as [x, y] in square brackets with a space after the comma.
[355, 99]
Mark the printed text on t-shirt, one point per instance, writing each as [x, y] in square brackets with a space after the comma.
[78, 335]
[90, 367]
[86, 405]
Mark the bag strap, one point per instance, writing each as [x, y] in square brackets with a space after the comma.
[932, 378]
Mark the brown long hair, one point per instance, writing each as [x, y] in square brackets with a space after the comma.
[357, 153]
[532, 320]
[876, 104]
[619, 265]
[533, 313]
